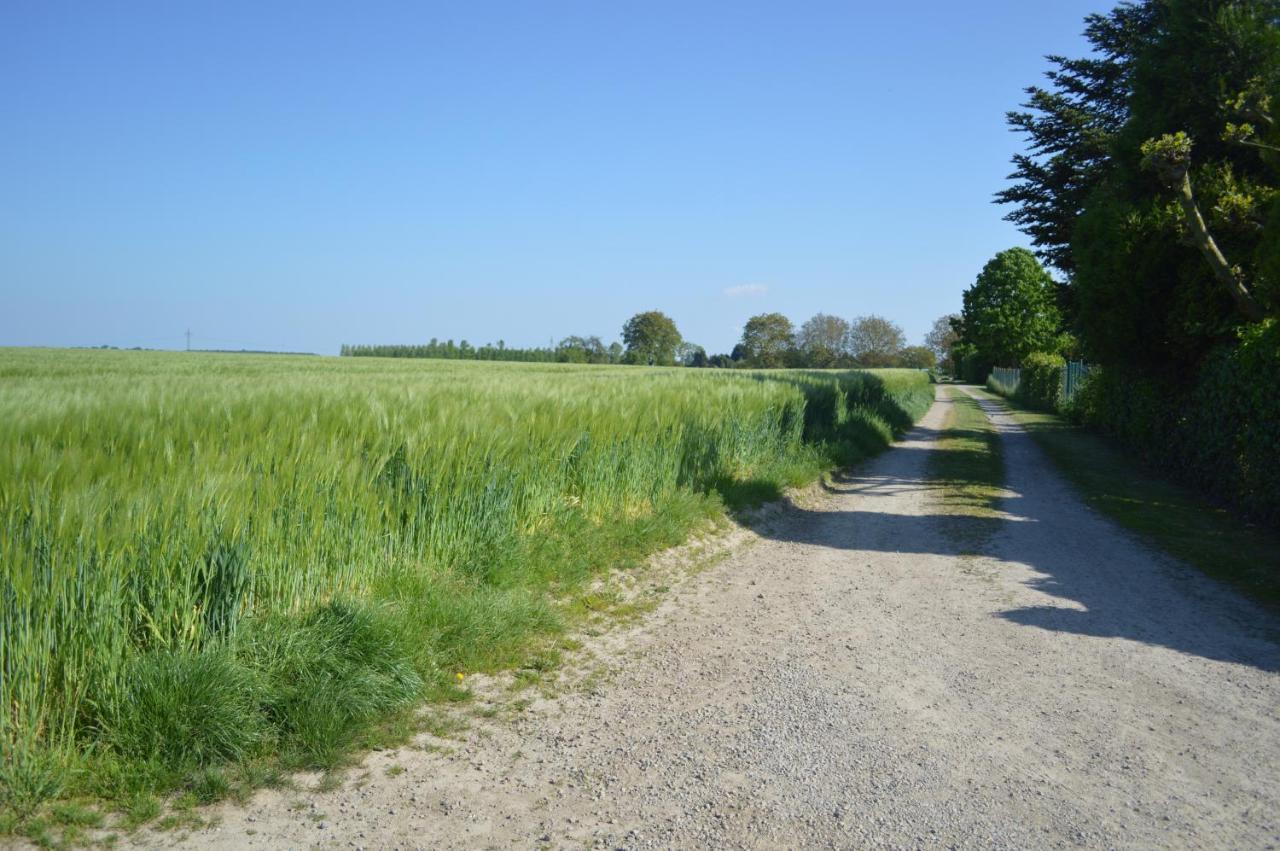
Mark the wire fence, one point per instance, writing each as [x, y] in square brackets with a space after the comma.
[1006, 380]
[1073, 376]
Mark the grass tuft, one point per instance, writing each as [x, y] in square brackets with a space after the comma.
[327, 676]
[184, 710]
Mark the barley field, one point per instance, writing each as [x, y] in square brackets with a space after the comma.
[185, 537]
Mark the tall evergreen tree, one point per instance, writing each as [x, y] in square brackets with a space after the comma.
[1070, 127]
[1150, 178]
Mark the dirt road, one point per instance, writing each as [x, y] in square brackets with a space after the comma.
[847, 678]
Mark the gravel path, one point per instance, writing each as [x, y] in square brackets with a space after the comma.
[845, 677]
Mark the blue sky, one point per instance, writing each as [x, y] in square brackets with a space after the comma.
[295, 175]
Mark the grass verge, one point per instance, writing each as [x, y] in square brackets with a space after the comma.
[1170, 517]
[968, 466]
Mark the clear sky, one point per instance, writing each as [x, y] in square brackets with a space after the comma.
[295, 175]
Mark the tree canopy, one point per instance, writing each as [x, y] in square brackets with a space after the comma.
[917, 357]
[1150, 178]
[651, 338]
[874, 341]
[823, 340]
[1010, 310]
[1070, 127]
[691, 354]
[576, 349]
[942, 336]
[767, 340]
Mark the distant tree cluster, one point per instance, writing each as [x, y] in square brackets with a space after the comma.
[569, 350]
[449, 350]
[587, 350]
[771, 341]
[651, 338]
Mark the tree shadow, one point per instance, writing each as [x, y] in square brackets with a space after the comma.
[847, 416]
[1110, 585]
[825, 391]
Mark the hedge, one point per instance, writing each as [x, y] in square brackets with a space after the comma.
[1219, 431]
[1040, 384]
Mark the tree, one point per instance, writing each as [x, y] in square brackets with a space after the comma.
[1170, 158]
[941, 337]
[1151, 179]
[651, 338]
[691, 354]
[767, 339]
[582, 350]
[1010, 311]
[917, 357]
[874, 341]
[1070, 128]
[822, 339]
[570, 354]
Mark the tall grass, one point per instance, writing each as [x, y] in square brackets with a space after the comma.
[159, 513]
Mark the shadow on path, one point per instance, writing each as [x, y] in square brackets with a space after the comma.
[1112, 586]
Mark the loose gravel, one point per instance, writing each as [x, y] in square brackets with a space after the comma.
[850, 676]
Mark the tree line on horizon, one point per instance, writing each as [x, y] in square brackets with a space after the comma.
[769, 341]
[449, 350]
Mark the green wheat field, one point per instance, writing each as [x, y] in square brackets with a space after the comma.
[213, 562]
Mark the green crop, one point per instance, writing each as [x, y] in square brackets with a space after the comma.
[152, 505]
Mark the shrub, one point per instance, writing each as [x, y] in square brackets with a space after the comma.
[1233, 419]
[1041, 381]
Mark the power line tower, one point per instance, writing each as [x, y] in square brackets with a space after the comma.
[188, 339]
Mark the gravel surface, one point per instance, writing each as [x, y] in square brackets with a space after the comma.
[848, 676]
